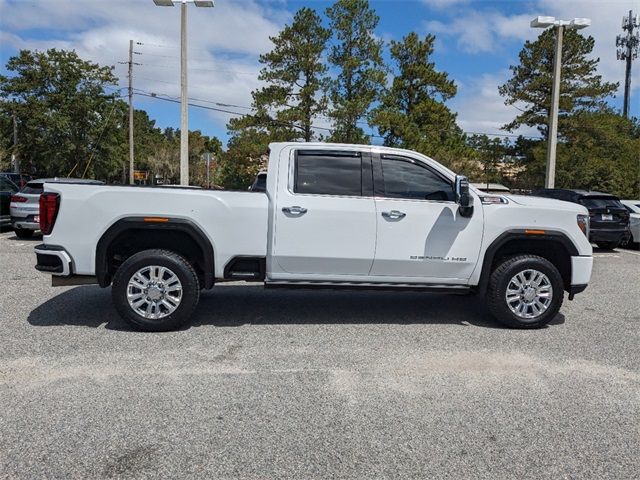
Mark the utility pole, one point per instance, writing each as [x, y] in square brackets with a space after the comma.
[15, 160]
[131, 63]
[628, 50]
[131, 179]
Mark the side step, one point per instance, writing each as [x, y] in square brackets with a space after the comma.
[418, 287]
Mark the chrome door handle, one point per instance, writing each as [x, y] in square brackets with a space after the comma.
[297, 211]
[394, 215]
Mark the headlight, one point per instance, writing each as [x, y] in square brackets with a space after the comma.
[583, 223]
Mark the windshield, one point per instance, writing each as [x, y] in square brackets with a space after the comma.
[595, 202]
[6, 185]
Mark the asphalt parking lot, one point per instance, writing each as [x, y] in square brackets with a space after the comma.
[280, 384]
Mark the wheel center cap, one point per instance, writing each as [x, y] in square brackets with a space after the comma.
[154, 293]
[529, 294]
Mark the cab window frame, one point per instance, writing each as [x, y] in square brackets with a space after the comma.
[379, 183]
[366, 171]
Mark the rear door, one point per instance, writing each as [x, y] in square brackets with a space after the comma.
[421, 235]
[325, 219]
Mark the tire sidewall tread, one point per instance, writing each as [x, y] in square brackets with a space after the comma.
[501, 276]
[166, 258]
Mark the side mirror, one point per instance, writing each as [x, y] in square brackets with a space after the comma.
[463, 197]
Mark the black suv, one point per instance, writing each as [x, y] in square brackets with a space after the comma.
[609, 220]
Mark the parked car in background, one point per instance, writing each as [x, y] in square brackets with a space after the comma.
[25, 204]
[609, 219]
[7, 188]
[633, 207]
[491, 188]
[260, 183]
[20, 179]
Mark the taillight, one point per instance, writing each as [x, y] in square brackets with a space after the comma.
[49, 203]
[18, 198]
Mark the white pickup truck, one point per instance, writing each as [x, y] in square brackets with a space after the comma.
[332, 216]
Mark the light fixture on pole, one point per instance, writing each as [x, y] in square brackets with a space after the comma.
[552, 138]
[184, 116]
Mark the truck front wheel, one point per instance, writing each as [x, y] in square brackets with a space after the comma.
[155, 290]
[525, 291]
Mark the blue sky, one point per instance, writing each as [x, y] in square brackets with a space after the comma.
[476, 42]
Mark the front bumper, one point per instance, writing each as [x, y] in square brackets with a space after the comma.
[53, 259]
[581, 267]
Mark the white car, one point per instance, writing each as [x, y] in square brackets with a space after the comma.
[25, 206]
[633, 207]
[332, 216]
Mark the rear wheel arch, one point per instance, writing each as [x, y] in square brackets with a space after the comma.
[554, 246]
[175, 234]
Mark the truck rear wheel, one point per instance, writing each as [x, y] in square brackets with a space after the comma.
[525, 291]
[156, 290]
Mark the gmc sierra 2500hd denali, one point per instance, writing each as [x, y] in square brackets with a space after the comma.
[337, 216]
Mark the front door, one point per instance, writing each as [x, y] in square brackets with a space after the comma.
[325, 218]
[421, 234]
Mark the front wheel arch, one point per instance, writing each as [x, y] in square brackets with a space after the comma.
[554, 246]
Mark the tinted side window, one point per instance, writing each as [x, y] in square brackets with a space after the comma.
[325, 174]
[406, 179]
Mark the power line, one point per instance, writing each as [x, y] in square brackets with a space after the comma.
[230, 112]
[202, 69]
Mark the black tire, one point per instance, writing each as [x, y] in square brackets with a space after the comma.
[608, 245]
[500, 279]
[23, 233]
[163, 258]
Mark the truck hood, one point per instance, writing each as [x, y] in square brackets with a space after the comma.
[532, 201]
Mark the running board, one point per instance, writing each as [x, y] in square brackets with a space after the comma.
[461, 289]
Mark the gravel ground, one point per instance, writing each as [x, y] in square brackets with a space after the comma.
[294, 384]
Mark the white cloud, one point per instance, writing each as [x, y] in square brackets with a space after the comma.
[481, 109]
[477, 32]
[224, 42]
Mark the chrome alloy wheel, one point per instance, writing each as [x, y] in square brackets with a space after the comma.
[154, 292]
[529, 294]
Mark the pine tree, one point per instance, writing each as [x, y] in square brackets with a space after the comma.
[412, 113]
[581, 88]
[294, 72]
[357, 56]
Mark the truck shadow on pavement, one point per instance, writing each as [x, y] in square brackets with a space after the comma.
[235, 306]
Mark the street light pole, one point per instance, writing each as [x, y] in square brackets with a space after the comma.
[550, 177]
[552, 134]
[184, 100]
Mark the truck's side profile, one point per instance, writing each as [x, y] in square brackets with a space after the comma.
[332, 216]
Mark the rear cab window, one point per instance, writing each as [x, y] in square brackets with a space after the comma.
[329, 172]
[32, 188]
